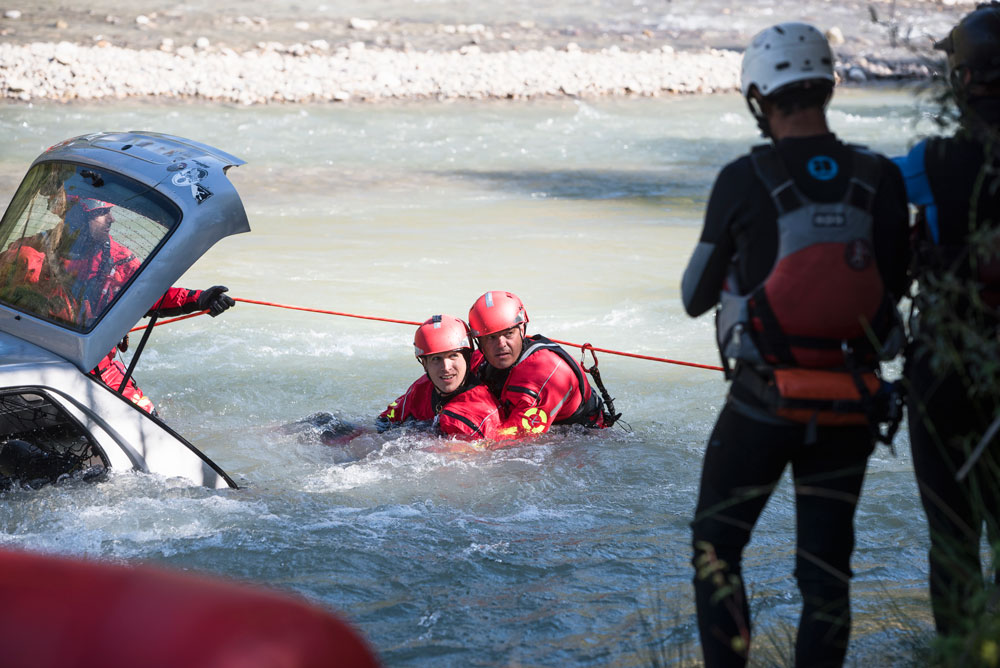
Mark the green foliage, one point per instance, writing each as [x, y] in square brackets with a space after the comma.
[959, 328]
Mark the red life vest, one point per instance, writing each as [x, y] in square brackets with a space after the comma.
[804, 335]
[824, 294]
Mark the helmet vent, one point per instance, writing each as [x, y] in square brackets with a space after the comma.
[782, 66]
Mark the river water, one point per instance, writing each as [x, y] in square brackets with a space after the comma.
[572, 550]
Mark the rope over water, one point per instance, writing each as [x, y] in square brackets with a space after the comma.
[582, 347]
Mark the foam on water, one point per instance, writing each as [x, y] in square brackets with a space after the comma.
[542, 555]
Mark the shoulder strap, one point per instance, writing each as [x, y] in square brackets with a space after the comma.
[865, 173]
[779, 184]
[587, 407]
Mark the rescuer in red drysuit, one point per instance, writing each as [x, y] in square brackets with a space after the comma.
[81, 249]
[448, 394]
[537, 382]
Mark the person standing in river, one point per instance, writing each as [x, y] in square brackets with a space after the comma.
[953, 400]
[804, 251]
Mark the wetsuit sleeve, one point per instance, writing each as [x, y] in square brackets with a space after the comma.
[891, 216]
[538, 390]
[706, 270]
[176, 301]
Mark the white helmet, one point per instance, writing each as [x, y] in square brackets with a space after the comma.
[785, 54]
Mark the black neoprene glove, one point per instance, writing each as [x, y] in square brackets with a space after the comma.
[215, 300]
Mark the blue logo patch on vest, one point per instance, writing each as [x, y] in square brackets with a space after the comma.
[822, 167]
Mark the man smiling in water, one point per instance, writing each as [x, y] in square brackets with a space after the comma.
[447, 393]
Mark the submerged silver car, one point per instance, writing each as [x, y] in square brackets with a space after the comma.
[62, 312]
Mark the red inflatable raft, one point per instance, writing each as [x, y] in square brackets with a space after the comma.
[67, 613]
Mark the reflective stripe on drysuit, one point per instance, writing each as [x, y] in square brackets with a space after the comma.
[546, 386]
[470, 413]
[789, 319]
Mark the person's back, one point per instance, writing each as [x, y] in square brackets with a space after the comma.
[953, 399]
[804, 253]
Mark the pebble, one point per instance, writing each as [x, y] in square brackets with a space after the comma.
[314, 71]
[12, 14]
[363, 24]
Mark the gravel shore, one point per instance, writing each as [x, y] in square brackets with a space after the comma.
[54, 54]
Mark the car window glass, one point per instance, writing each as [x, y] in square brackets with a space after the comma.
[74, 237]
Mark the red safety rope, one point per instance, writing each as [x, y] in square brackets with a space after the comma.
[585, 347]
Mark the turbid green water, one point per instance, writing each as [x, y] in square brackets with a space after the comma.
[570, 551]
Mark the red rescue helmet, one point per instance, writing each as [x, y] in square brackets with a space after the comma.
[496, 311]
[441, 334]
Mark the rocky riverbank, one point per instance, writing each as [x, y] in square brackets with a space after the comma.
[238, 59]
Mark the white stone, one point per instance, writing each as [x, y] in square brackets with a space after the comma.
[12, 14]
[142, 20]
[202, 43]
[366, 25]
[835, 36]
